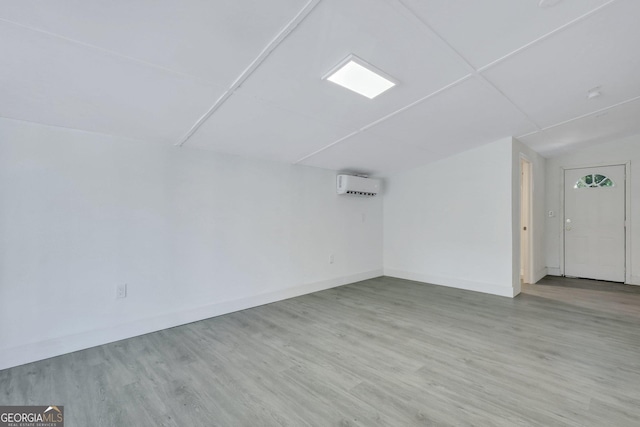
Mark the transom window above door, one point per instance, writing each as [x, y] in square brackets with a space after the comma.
[594, 181]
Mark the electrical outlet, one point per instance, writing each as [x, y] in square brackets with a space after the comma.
[331, 259]
[121, 291]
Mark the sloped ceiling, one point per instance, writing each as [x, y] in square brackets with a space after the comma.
[245, 76]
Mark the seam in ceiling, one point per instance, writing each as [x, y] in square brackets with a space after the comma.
[262, 56]
[473, 72]
[299, 18]
[388, 116]
[109, 52]
[546, 36]
[467, 64]
[92, 132]
[593, 113]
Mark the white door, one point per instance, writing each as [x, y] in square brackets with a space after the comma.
[594, 223]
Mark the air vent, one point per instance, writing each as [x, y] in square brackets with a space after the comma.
[357, 186]
[361, 193]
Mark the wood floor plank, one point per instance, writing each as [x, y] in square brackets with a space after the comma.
[382, 352]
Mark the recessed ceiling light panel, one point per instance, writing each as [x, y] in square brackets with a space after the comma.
[358, 76]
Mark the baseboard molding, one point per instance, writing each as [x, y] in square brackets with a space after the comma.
[539, 275]
[28, 353]
[554, 271]
[487, 288]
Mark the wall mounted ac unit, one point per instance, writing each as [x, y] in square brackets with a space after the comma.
[357, 185]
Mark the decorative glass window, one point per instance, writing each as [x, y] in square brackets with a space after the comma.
[593, 180]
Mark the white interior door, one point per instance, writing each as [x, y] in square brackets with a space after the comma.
[594, 223]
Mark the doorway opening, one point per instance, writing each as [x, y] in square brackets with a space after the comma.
[526, 239]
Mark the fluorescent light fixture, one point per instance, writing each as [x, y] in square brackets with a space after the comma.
[355, 74]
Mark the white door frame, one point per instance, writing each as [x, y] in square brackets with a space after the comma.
[526, 166]
[627, 212]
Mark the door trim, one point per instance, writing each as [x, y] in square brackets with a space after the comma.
[526, 165]
[627, 213]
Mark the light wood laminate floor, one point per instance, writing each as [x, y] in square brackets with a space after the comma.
[383, 352]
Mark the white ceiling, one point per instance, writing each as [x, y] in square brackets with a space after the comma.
[245, 76]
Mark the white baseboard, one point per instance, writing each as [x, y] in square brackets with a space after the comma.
[487, 288]
[538, 275]
[28, 353]
[635, 280]
[517, 288]
[554, 271]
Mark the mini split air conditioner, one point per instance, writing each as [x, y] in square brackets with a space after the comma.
[357, 185]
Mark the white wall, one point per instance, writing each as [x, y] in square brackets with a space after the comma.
[449, 222]
[614, 152]
[194, 234]
[453, 222]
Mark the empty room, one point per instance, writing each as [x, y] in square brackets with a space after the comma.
[320, 213]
